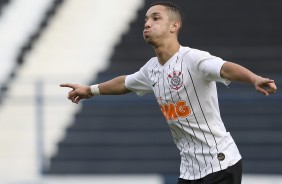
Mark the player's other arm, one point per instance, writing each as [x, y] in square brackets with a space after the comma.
[235, 72]
[115, 86]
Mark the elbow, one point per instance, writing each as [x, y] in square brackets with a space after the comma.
[224, 71]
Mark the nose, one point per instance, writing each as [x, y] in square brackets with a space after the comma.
[147, 24]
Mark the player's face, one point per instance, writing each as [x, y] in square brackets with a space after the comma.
[157, 24]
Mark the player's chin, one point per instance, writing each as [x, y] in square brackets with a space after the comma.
[148, 40]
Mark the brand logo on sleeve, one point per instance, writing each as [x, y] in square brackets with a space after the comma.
[175, 79]
[172, 111]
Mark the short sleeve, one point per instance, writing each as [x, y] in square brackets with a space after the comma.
[139, 82]
[209, 67]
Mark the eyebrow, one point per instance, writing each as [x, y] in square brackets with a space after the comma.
[153, 14]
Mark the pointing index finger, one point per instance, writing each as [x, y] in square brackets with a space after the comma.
[68, 85]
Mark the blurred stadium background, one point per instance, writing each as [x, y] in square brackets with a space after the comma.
[46, 139]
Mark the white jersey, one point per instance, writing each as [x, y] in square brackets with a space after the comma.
[185, 88]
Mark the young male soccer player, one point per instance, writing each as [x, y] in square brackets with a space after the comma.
[184, 83]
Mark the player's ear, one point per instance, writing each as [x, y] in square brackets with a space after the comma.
[175, 26]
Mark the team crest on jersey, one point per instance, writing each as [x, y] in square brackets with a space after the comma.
[175, 79]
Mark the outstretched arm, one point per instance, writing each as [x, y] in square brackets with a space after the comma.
[235, 72]
[115, 86]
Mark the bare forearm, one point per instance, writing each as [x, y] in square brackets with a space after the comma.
[115, 86]
[235, 72]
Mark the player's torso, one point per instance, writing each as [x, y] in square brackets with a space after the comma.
[177, 90]
[169, 84]
[189, 104]
[186, 100]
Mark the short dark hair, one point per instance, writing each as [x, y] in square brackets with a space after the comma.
[172, 7]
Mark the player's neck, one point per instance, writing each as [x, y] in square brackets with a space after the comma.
[165, 52]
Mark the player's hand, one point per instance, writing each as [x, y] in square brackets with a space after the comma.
[265, 86]
[78, 92]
